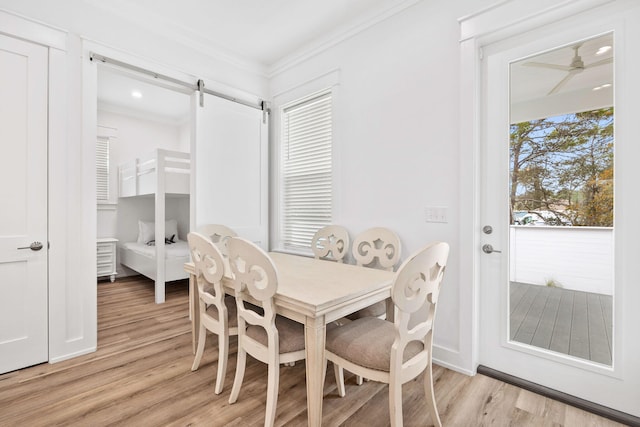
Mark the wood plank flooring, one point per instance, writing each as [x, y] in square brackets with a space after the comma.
[566, 321]
[141, 376]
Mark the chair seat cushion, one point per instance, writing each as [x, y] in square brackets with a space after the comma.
[375, 310]
[232, 311]
[367, 342]
[290, 334]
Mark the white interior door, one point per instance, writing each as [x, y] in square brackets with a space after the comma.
[231, 168]
[23, 192]
[614, 383]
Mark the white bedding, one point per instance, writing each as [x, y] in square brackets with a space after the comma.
[180, 249]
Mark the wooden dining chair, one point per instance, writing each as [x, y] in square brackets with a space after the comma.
[217, 310]
[219, 235]
[376, 247]
[394, 353]
[267, 337]
[330, 242]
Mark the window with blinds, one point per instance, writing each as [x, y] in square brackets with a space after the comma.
[102, 170]
[305, 169]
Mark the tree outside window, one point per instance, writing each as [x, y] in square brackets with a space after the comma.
[561, 169]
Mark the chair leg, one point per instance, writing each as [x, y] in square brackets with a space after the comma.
[273, 382]
[339, 373]
[430, 395]
[237, 382]
[202, 337]
[358, 380]
[223, 354]
[395, 402]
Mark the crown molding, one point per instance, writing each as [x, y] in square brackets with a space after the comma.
[506, 14]
[336, 37]
[30, 29]
[180, 33]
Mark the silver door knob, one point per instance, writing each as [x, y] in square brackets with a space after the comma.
[34, 246]
[488, 249]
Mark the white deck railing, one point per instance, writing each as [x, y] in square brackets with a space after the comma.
[578, 258]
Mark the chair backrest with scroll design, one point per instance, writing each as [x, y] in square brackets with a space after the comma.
[209, 269]
[330, 242]
[254, 277]
[219, 235]
[417, 282]
[377, 247]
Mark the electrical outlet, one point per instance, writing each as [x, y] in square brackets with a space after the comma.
[436, 214]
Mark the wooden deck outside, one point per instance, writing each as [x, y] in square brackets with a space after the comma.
[565, 321]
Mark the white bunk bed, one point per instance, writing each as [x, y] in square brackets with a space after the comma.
[161, 173]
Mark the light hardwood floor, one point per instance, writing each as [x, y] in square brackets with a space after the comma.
[141, 376]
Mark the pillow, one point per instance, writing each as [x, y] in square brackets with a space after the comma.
[147, 230]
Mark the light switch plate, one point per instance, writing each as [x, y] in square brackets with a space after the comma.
[436, 214]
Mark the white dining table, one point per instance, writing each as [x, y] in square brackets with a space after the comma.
[314, 293]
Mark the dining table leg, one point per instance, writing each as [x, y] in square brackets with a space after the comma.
[315, 337]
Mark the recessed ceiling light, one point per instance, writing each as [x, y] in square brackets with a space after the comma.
[603, 49]
[136, 94]
[602, 86]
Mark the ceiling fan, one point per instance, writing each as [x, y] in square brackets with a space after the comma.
[575, 67]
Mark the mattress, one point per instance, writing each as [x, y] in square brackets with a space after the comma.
[180, 249]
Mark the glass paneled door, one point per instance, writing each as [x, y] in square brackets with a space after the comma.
[557, 140]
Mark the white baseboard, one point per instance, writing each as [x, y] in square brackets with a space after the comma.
[453, 367]
[72, 355]
[451, 359]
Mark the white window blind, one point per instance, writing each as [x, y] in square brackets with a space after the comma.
[306, 170]
[102, 169]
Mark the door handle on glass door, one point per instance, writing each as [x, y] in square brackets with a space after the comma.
[488, 249]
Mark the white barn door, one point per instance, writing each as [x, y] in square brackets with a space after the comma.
[231, 168]
[23, 195]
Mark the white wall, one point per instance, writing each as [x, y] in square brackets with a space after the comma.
[184, 137]
[396, 139]
[138, 136]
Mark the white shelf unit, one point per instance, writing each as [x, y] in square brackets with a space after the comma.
[106, 257]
